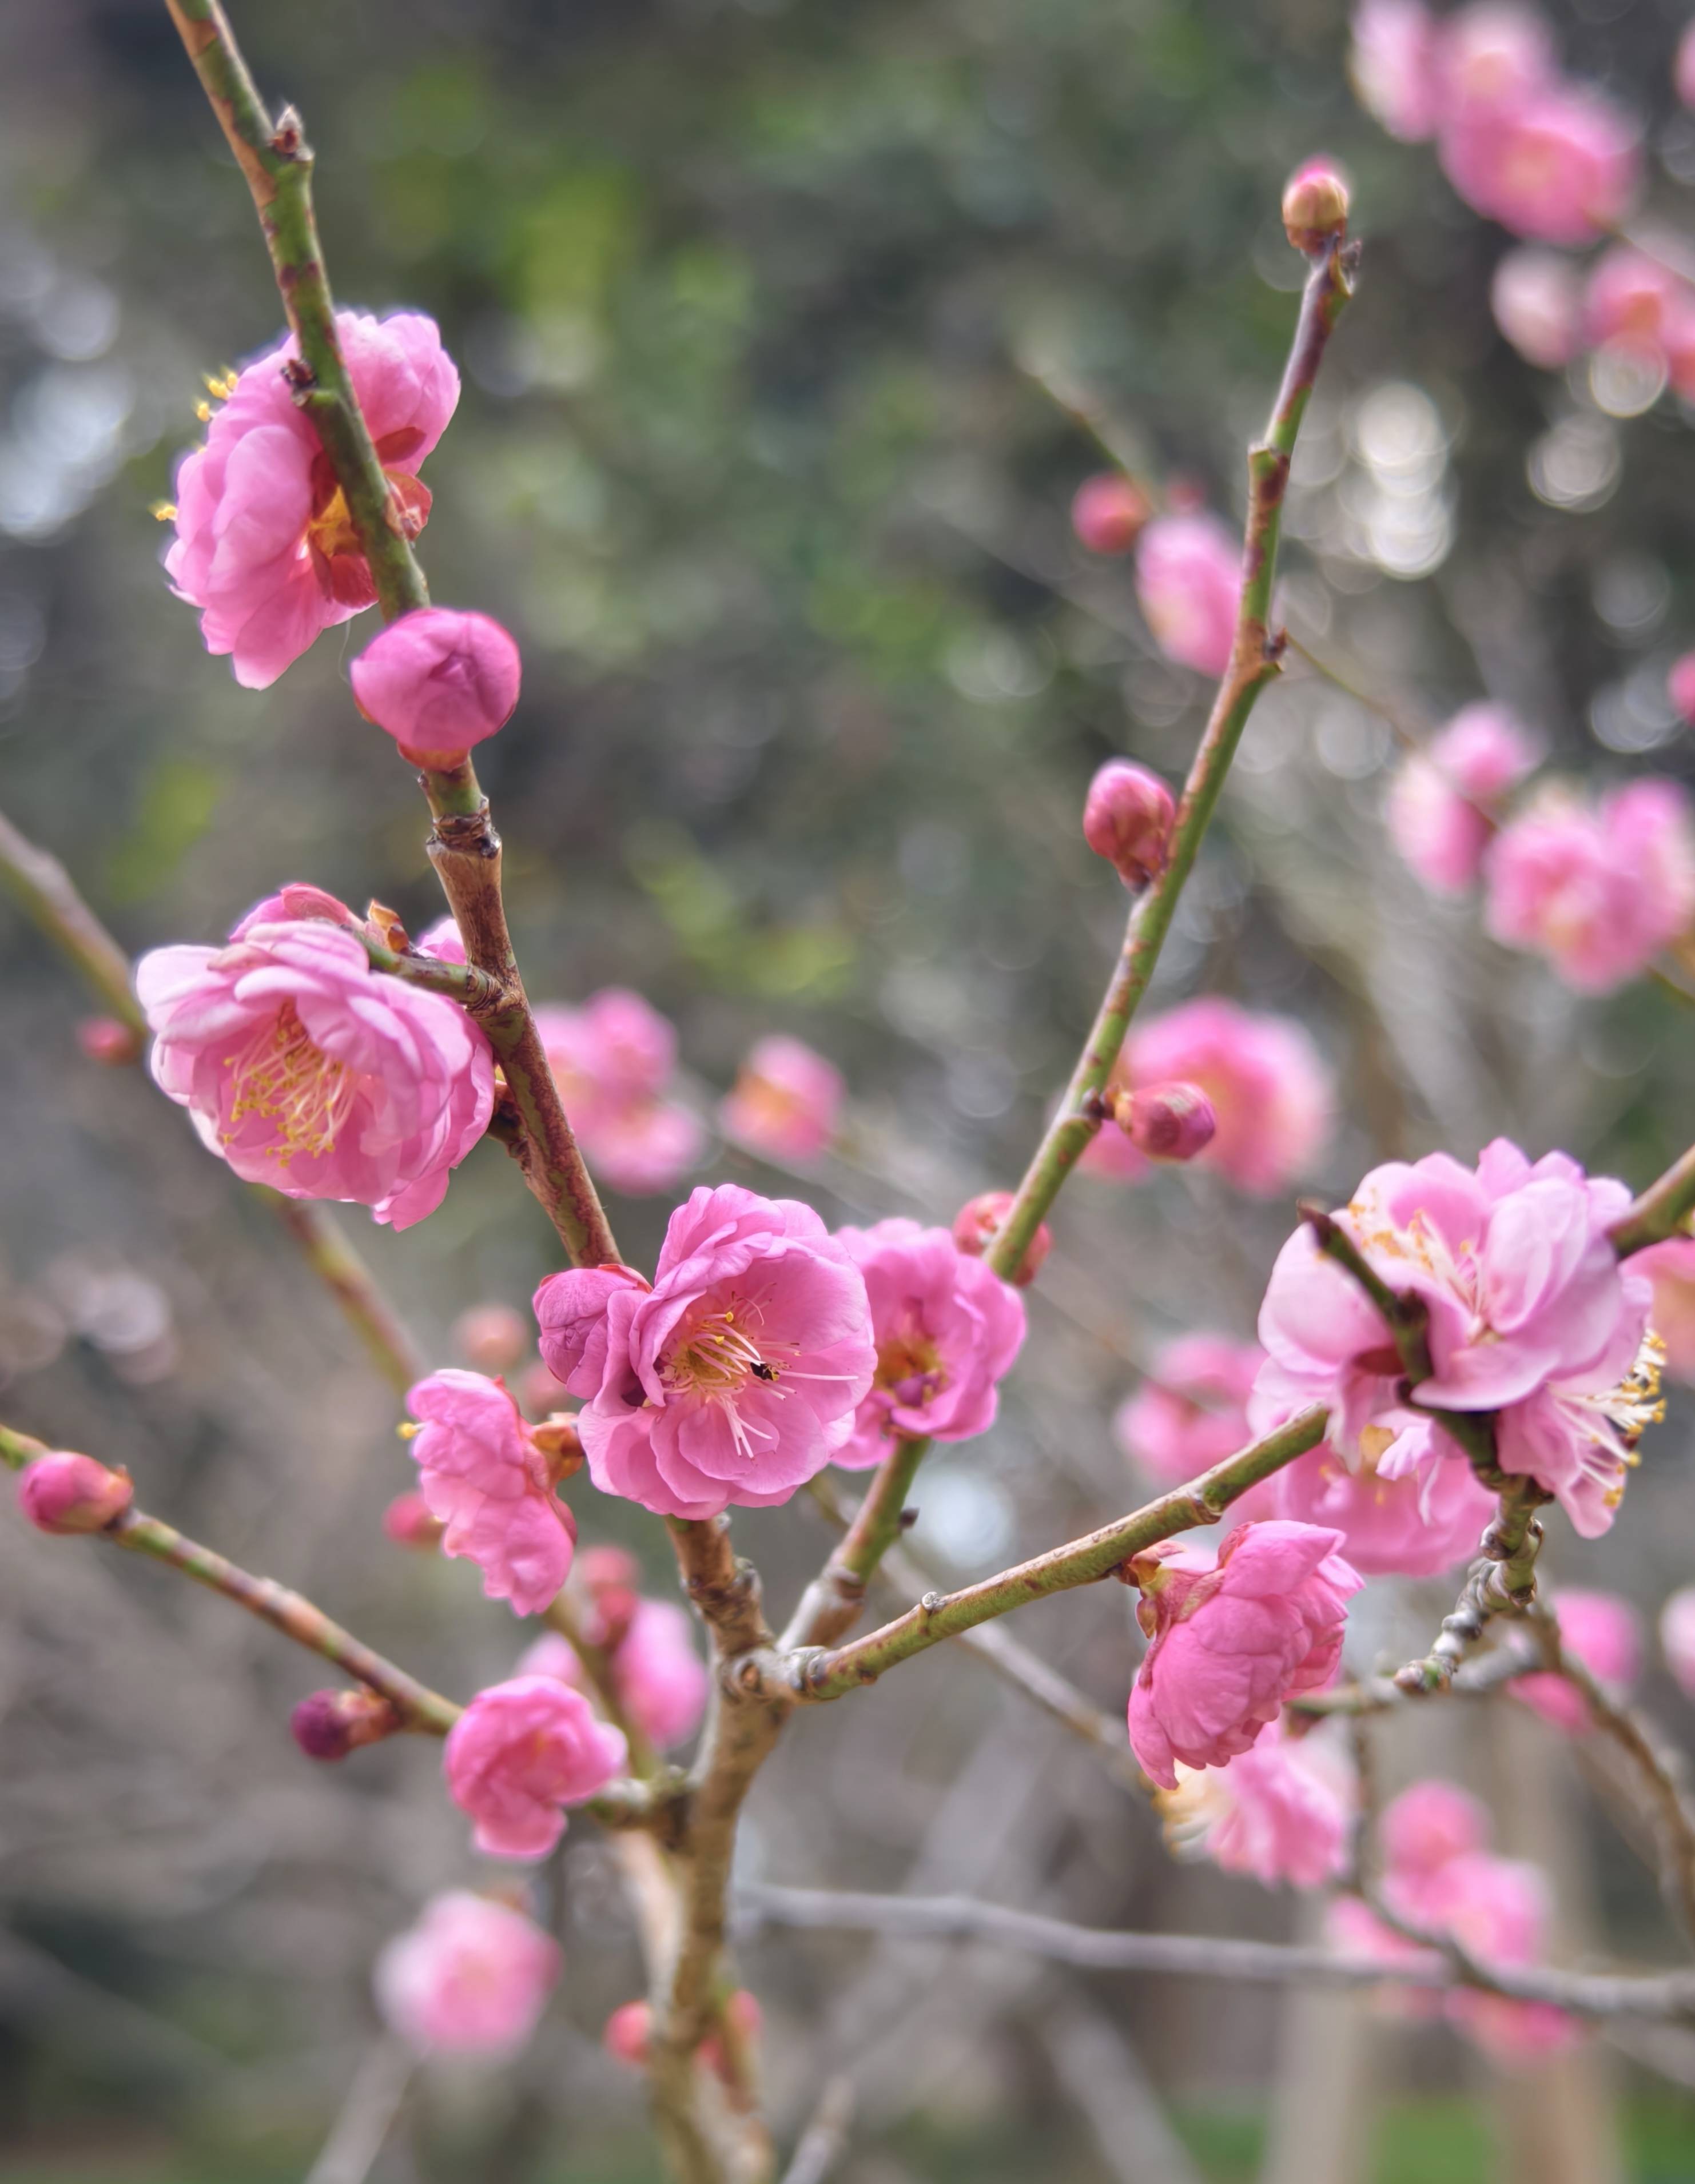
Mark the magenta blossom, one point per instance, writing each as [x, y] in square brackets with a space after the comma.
[736, 1377]
[1598, 892]
[1189, 580]
[1531, 1316]
[520, 1753]
[660, 1678]
[1417, 1524]
[482, 1475]
[1232, 1641]
[265, 545]
[1440, 810]
[306, 1069]
[786, 1103]
[438, 682]
[1601, 1633]
[614, 1060]
[1535, 300]
[1279, 1811]
[471, 1978]
[1677, 1638]
[1268, 1088]
[946, 1331]
[1191, 1411]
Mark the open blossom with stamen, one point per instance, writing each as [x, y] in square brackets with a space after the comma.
[1601, 1633]
[1279, 1811]
[736, 1377]
[1531, 1316]
[306, 1069]
[613, 1059]
[1424, 1520]
[1188, 581]
[483, 1474]
[265, 545]
[1232, 1640]
[471, 1978]
[1439, 811]
[520, 1752]
[946, 1330]
[786, 1103]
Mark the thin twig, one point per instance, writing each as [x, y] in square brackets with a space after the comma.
[1662, 1211]
[825, 2140]
[829, 1607]
[367, 2114]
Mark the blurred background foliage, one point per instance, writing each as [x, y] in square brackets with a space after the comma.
[769, 315]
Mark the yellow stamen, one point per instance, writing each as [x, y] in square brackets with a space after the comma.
[281, 1076]
[163, 511]
[202, 410]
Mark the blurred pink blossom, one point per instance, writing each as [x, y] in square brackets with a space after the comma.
[1269, 1090]
[1680, 686]
[786, 1102]
[661, 1681]
[491, 1337]
[265, 545]
[1633, 302]
[1670, 1267]
[625, 2033]
[1677, 1638]
[1393, 66]
[1683, 67]
[1439, 812]
[1602, 1634]
[1232, 1641]
[946, 1331]
[1558, 163]
[1599, 893]
[305, 1069]
[736, 1377]
[520, 1753]
[1191, 1411]
[482, 1474]
[438, 681]
[614, 1060]
[1188, 581]
[1279, 1811]
[471, 1978]
[1538, 305]
[1108, 512]
[1491, 56]
[408, 1521]
[1428, 1825]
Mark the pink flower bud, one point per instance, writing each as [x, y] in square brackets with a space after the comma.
[1107, 512]
[491, 1337]
[626, 2034]
[1127, 819]
[438, 681]
[330, 1724]
[66, 1493]
[744, 2021]
[979, 1223]
[1315, 205]
[409, 1523]
[603, 1566]
[105, 1040]
[1167, 1121]
[1680, 686]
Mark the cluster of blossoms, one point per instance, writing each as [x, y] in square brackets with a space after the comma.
[1440, 1877]
[614, 1060]
[1597, 890]
[658, 1673]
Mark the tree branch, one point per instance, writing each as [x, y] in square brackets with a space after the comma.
[1662, 1211]
[830, 1606]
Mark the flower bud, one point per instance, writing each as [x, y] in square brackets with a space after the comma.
[602, 1566]
[1315, 205]
[438, 681]
[66, 1493]
[408, 1521]
[744, 2020]
[330, 1724]
[104, 1040]
[491, 1337]
[979, 1222]
[625, 2033]
[1167, 1121]
[1107, 512]
[1127, 819]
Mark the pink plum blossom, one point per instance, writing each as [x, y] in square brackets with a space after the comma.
[491, 1337]
[520, 1753]
[614, 1060]
[1393, 66]
[1231, 1641]
[306, 1069]
[1531, 1316]
[1670, 1267]
[1599, 893]
[1634, 303]
[946, 1331]
[1191, 1411]
[1677, 1638]
[265, 546]
[1279, 1811]
[1440, 810]
[64, 1492]
[1602, 1634]
[471, 1978]
[786, 1103]
[1108, 512]
[1491, 56]
[1560, 164]
[1538, 305]
[1417, 1524]
[1268, 1087]
[660, 1678]
[438, 682]
[1188, 581]
[483, 1474]
[1426, 1828]
[736, 1377]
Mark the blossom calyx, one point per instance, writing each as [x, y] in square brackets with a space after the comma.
[330, 1724]
[1128, 816]
[980, 1220]
[1167, 1121]
[1315, 205]
[559, 1443]
[62, 1492]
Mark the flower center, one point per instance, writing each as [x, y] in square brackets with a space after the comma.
[715, 1357]
[281, 1078]
[909, 1365]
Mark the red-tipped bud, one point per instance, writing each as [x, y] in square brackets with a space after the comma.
[105, 1040]
[561, 1443]
[1315, 205]
[493, 1338]
[1109, 512]
[408, 1521]
[1127, 819]
[330, 1724]
[980, 1221]
[1167, 1121]
[626, 2034]
[66, 1493]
